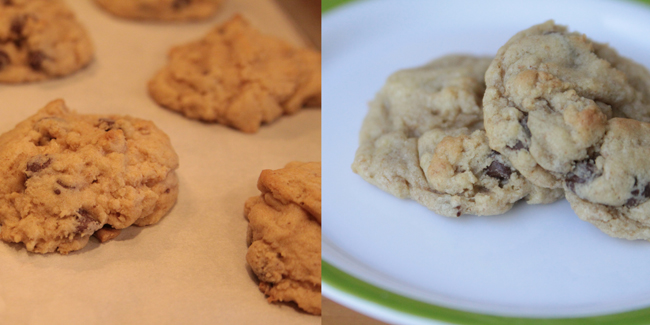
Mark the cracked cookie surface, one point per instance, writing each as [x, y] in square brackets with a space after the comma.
[284, 235]
[238, 77]
[39, 40]
[68, 175]
[423, 139]
[168, 10]
[549, 96]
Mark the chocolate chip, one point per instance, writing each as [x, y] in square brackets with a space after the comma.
[7, 2]
[499, 171]
[36, 166]
[57, 191]
[638, 199]
[180, 4]
[518, 146]
[106, 120]
[84, 213]
[85, 219]
[106, 124]
[584, 171]
[35, 59]
[17, 25]
[4, 59]
[167, 190]
[64, 185]
[524, 123]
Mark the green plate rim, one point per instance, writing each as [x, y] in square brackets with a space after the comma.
[349, 284]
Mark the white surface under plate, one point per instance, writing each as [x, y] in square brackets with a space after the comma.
[534, 261]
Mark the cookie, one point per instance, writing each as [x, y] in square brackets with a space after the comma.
[39, 40]
[611, 187]
[238, 77]
[68, 176]
[549, 96]
[284, 235]
[423, 139]
[166, 10]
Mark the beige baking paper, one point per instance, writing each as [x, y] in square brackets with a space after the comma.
[190, 268]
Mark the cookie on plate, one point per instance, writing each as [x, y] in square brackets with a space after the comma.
[423, 139]
[549, 96]
[611, 187]
[67, 176]
[39, 40]
[239, 77]
[284, 235]
[167, 10]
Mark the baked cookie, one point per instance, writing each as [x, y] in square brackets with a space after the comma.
[239, 77]
[67, 176]
[39, 40]
[423, 139]
[161, 9]
[284, 235]
[611, 187]
[549, 96]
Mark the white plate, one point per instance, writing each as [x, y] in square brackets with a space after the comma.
[394, 259]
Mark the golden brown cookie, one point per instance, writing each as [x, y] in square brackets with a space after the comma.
[39, 40]
[284, 235]
[68, 175]
[239, 77]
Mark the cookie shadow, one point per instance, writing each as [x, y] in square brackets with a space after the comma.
[129, 233]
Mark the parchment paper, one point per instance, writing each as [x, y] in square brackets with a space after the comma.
[190, 268]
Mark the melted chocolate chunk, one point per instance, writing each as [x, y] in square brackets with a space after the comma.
[180, 4]
[36, 166]
[4, 59]
[35, 59]
[499, 171]
[524, 123]
[518, 146]
[640, 195]
[64, 185]
[106, 124]
[86, 220]
[584, 171]
[17, 25]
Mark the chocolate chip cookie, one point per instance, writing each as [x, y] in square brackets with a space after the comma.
[423, 139]
[39, 40]
[284, 235]
[549, 96]
[168, 10]
[239, 77]
[67, 176]
[611, 187]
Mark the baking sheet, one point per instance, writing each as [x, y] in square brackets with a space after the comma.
[189, 268]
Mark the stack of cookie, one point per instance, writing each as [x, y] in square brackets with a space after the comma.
[553, 114]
